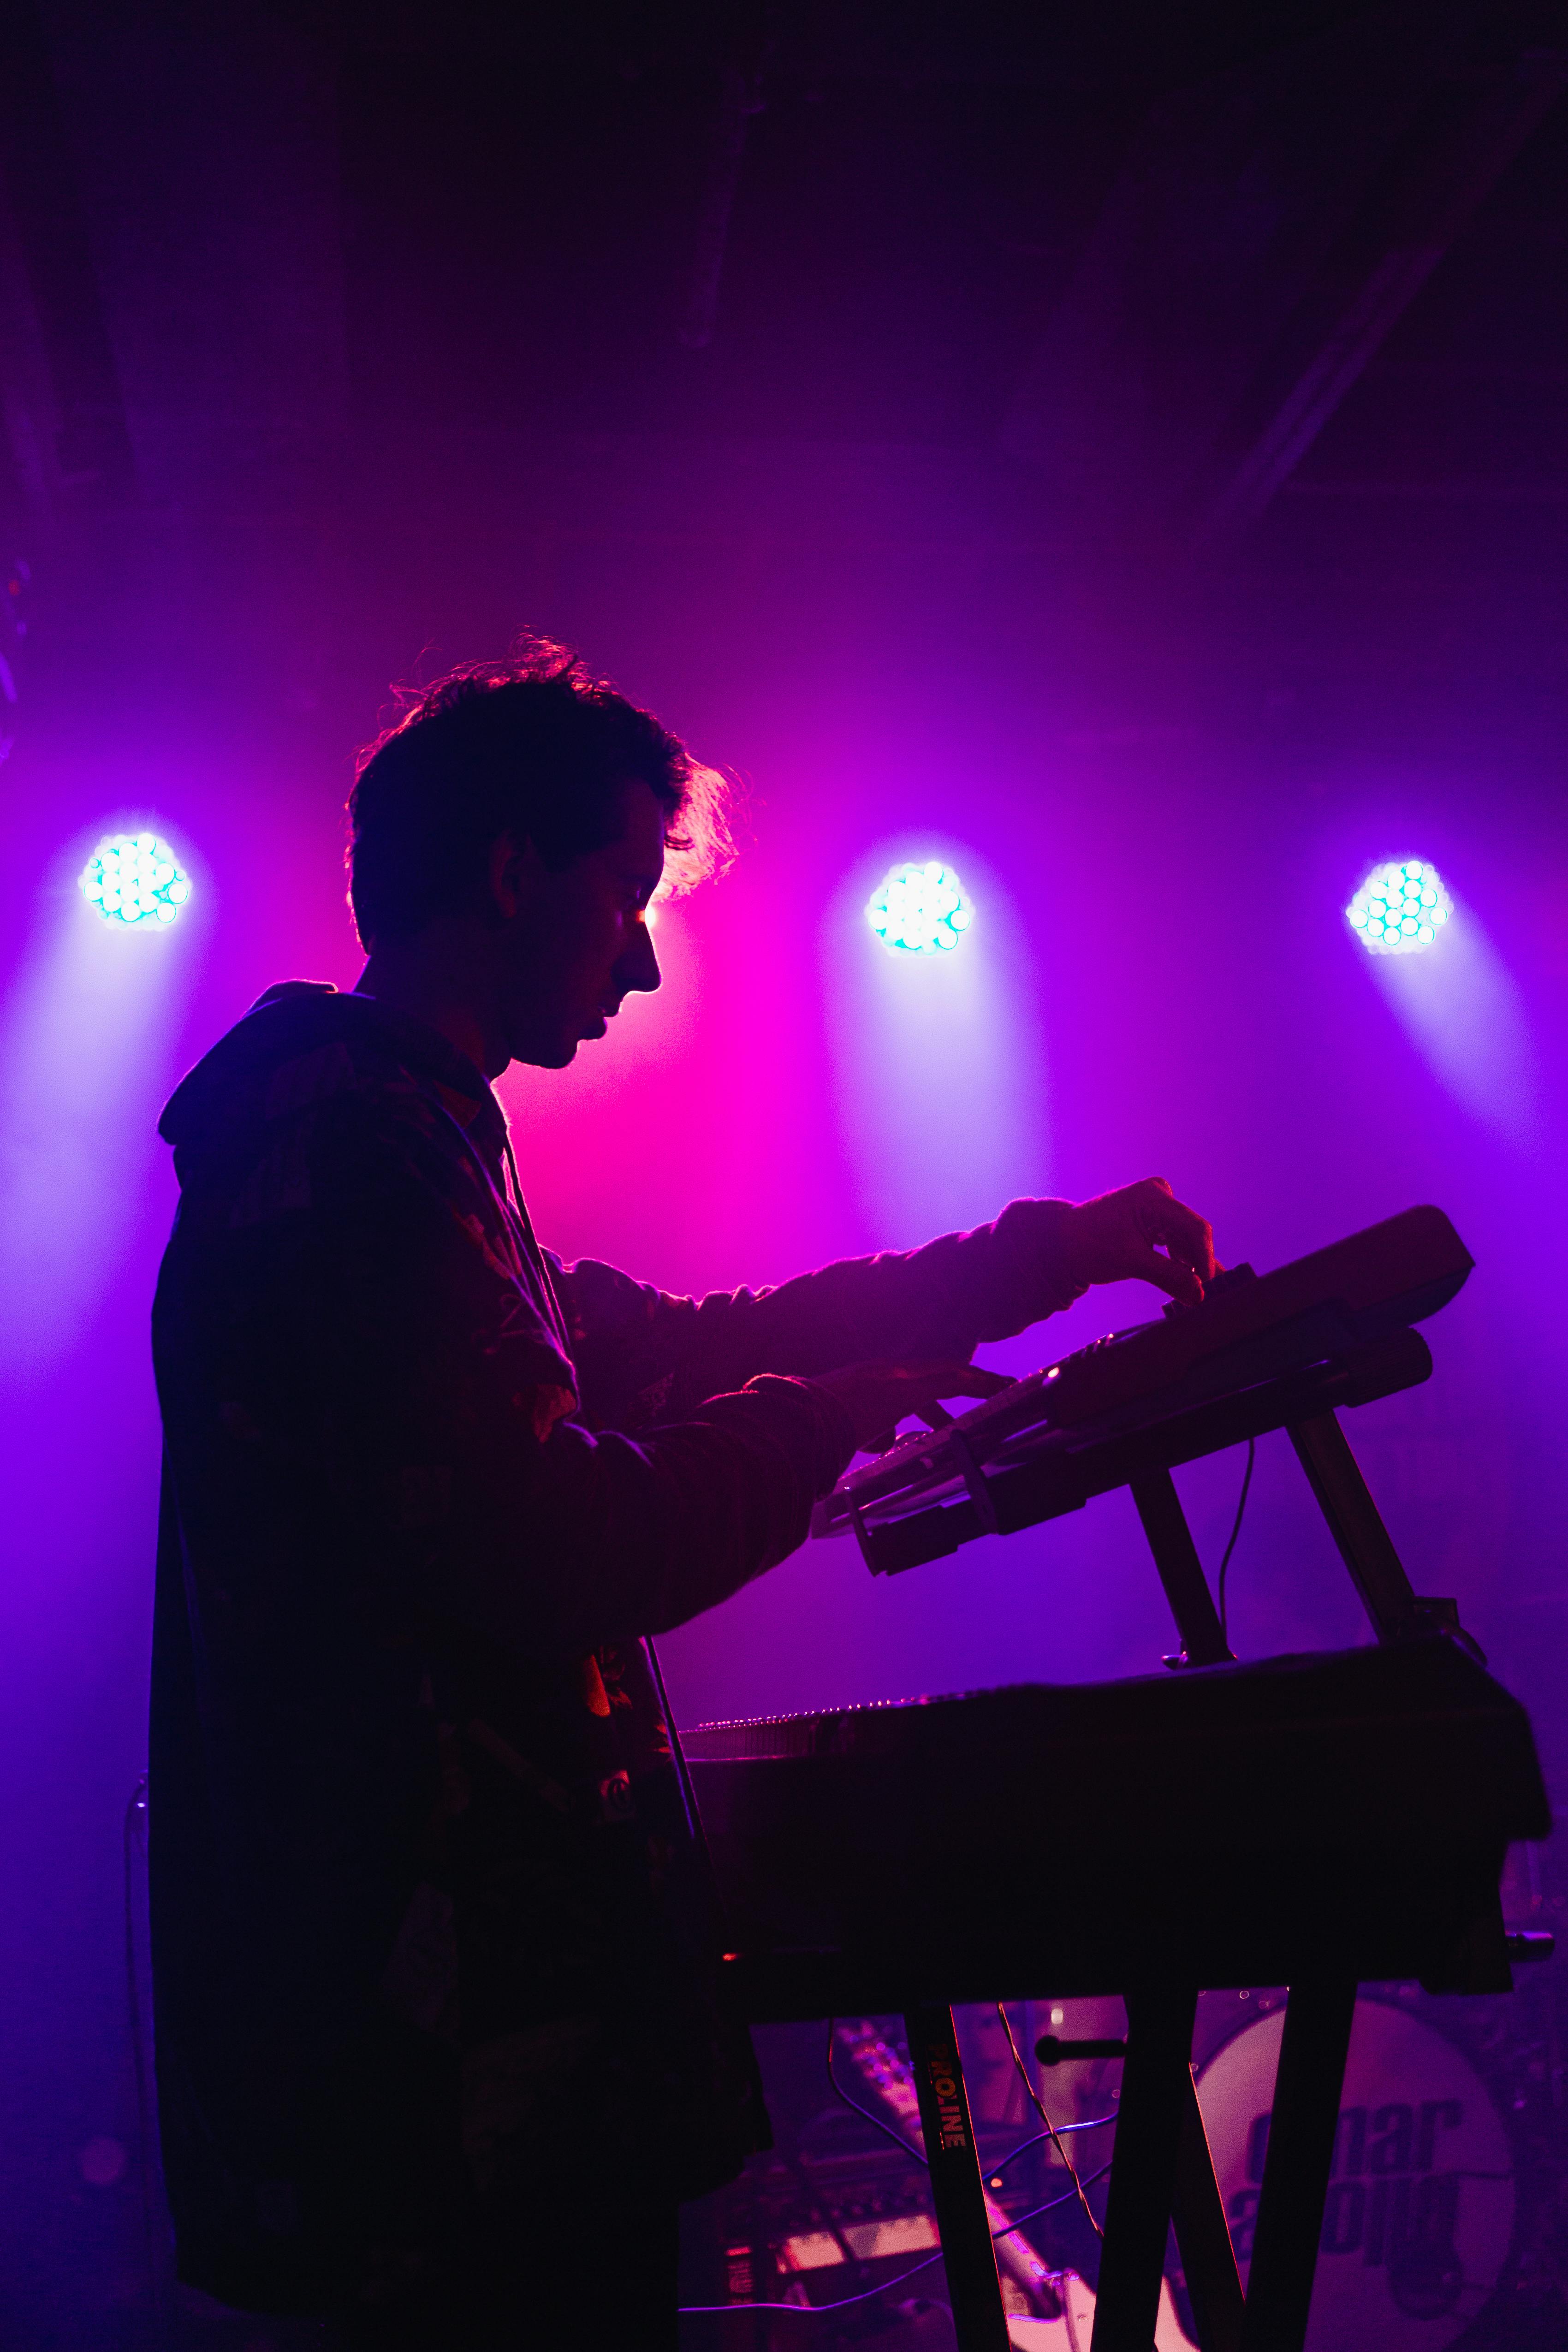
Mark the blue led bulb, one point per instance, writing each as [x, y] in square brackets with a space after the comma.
[135, 880]
[919, 909]
[1400, 908]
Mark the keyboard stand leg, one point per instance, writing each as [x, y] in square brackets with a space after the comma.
[1305, 2118]
[979, 2321]
[1156, 2084]
[1356, 1525]
[1181, 1571]
[1203, 2237]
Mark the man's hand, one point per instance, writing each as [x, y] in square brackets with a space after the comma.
[1115, 1238]
[877, 1397]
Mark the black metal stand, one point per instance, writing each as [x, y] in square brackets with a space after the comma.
[1394, 1610]
[1181, 1570]
[958, 2194]
[1163, 2169]
[1364, 1543]
[1156, 2084]
[1296, 2168]
[1202, 2236]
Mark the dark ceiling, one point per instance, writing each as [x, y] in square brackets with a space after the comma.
[961, 225]
[907, 193]
[1188, 285]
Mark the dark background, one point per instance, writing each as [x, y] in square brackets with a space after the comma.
[1123, 450]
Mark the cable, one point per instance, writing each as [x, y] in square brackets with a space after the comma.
[1091, 2123]
[908, 2147]
[1235, 1531]
[1065, 2199]
[887, 2129]
[1038, 2106]
[814, 2310]
[820, 2310]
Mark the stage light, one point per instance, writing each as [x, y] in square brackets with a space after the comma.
[1400, 908]
[919, 909]
[135, 880]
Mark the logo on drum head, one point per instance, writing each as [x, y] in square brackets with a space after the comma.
[1419, 2212]
[1389, 2200]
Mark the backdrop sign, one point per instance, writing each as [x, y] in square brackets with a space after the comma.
[1420, 2209]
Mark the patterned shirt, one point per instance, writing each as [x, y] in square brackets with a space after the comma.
[432, 1931]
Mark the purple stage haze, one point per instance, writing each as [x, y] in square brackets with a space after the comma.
[793, 1093]
[1160, 778]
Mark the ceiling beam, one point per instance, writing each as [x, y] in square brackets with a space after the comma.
[1267, 230]
[1451, 158]
[64, 413]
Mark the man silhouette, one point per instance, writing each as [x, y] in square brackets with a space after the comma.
[438, 2048]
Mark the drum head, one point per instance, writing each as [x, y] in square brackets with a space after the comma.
[1421, 2205]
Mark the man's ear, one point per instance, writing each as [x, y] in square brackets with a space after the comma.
[513, 874]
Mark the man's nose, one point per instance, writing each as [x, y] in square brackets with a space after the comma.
[638, 968]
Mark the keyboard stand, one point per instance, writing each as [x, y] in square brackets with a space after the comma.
[1162, 2170]
[1162, 2164]
[1296, 2168]
[1392, 1607]
[957, 2191]
[1156, 2083]
[1394, 1610]
[1203, 2234]
[1181, 1570]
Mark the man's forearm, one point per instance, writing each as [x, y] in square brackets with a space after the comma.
[596, 1538]
[941, 1300]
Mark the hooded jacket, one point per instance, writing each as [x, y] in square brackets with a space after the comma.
[430, 1928]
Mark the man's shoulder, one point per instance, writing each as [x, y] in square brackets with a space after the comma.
[309, 1078]
[303, 1047]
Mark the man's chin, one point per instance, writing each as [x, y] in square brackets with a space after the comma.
[556, 1051]
[555, 1056]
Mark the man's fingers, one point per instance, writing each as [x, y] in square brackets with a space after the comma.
[1119, 1235]
[1182, 1231]
[1192, 1237]
[1173, 1276]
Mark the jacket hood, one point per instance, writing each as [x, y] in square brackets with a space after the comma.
[221, 1106]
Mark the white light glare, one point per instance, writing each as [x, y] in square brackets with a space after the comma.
[919, 909]
[134, 880]
[1400, 908]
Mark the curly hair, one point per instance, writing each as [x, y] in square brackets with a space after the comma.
[534, 745]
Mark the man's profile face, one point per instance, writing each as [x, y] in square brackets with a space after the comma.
[579, 941]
